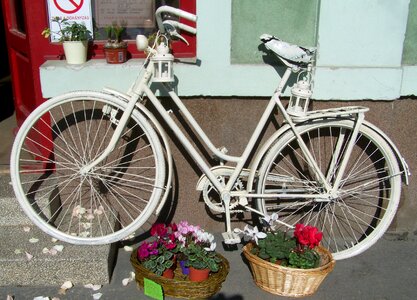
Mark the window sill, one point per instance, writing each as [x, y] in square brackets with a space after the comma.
[58, 77]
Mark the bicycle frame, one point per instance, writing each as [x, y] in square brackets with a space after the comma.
[142, 87]
[326, 167]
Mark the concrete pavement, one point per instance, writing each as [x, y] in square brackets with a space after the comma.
[386, 271]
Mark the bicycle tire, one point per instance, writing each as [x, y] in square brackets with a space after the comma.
[355, 218]
[112, 200]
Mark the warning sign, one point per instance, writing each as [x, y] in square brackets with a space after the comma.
[74, 10]
[69, 6]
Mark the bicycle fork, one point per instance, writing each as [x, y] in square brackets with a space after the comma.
[121, 124]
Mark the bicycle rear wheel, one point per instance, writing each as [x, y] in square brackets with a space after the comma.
[355, 217]
[109, 202]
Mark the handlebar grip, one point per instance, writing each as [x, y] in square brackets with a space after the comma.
[174, 11]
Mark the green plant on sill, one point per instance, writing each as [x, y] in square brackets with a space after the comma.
[114, 34]
[159, 263]
[200, 259]
[68, 31]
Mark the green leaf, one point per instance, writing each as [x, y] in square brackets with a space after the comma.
[168, 264]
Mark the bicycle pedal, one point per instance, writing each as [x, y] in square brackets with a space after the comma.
[231, 238]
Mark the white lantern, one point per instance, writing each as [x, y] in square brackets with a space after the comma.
[300, 98]
[163, 64]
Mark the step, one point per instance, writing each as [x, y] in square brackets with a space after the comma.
[6, 189]
[79, 264]
[11, 214]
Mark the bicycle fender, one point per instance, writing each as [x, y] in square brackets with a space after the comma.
[401, 161]
[266, 146]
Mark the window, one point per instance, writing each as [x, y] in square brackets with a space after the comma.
[138, 16]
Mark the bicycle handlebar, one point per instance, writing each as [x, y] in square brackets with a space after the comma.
[177, 12]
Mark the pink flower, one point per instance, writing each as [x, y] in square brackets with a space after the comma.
[185, 228]
[147, 249]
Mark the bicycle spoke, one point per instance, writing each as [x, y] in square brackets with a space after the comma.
[107, 203]
[353, 216]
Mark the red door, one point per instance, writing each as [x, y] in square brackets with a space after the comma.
[24, 21]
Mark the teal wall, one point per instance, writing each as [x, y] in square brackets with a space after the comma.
[294, 21]
[366, 50]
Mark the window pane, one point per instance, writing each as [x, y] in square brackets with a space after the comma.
[138, 16]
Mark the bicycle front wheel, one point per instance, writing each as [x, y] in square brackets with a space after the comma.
[351, 219]
[107, 203]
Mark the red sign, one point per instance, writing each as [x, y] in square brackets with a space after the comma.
[69, 6]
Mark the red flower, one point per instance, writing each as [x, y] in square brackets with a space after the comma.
[307, 235]
[169, 245]
[159, 229]
[173, 227]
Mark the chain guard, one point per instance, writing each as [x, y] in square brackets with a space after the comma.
[211, 196]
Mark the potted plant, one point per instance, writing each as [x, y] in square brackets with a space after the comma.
[287, 265]
[185, 234]
[115, 48]
[167, 247]
[201, 256]
[159, 255]
[74, 37]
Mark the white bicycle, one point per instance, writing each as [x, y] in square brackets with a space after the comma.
[91, 167]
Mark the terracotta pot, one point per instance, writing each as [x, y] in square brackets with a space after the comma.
[198, 275]
[115, 55]
[168, 273]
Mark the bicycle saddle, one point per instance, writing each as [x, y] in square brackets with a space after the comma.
[293, 53]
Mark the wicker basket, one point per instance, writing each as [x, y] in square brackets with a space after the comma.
[180, 286]
[286, 281]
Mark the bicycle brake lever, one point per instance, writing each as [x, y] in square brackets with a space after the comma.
[171, 29]
[179, 36]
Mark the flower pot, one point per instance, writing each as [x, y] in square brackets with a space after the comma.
[185, 270]
[168, 273]
[115, 55]
[75, 52]
[197, 275]
[285, 281]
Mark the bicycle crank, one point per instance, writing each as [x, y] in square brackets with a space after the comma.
[210, 194]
